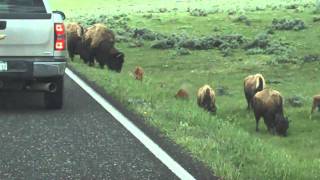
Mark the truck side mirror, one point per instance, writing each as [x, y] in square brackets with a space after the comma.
[61, 13]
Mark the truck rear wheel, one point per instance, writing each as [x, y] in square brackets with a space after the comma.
[54, 100]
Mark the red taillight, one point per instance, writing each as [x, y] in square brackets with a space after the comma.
[59, 37]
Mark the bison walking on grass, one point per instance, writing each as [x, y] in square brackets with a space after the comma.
[206, 98]
[182, 94]
[252, 85]
[315, 103]
[138, 73]
[268, 104]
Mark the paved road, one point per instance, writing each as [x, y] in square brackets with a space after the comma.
[82, 141]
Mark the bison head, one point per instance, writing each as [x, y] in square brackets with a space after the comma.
[282, 124]
[115, 61]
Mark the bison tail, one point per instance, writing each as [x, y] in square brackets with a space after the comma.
[280, 104]
[260, 82]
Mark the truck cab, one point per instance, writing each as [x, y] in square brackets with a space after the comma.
[32, 49]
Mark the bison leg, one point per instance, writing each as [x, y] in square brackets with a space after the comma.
[257, 122]
[71, 55]
[91, 60]
[314, 106]
[249, 100]
[101, 65]
[269, 120]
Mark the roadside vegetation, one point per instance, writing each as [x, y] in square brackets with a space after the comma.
[189, 45]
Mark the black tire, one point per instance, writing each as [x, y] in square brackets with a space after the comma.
[55, 100]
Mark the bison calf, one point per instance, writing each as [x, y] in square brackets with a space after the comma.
[252, 85]
[315, 103]
[206, 98]
[268, 104]
[182, 94]
[138, 73]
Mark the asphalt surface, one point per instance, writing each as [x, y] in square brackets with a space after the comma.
[81, 141]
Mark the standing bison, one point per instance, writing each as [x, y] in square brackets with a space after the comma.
[138, 73]
[315, 103]
[206, 98]
[269, 105]
[252, 85]
[98, 43]
[74, 37]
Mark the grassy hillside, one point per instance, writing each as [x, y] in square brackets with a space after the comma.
[226, 142]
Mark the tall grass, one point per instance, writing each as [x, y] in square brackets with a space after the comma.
[229, 150]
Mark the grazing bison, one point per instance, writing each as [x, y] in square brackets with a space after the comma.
[315, 103]
[182, 94]
[138, 73]
[206, 98]
[268, 104]
[98, 43]
[74, 37]
[252, 85]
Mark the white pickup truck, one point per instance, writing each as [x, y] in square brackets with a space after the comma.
[32, 49]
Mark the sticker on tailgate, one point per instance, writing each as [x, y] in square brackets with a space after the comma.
[3, 66]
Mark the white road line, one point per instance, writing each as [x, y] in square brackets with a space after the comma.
[154, 148]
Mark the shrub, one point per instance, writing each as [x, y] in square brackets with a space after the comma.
[285, 24]
[146, 34]
[263, 44]
[163, 44]
[311, 58]
[295, 101]
[243, 19]
[316, 18]
[198, 12]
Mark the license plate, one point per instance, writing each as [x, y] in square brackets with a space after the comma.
[3, 66]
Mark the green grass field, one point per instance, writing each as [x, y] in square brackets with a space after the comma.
[226, 142]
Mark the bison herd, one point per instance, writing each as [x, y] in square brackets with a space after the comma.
[94, 43]
[97, 43]
[265, 102]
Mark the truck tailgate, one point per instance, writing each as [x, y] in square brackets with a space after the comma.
[28, 37]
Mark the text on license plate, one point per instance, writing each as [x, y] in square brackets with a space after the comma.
[3, 66]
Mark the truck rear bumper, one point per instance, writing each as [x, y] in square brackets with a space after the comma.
[48, 69]
[33, 68]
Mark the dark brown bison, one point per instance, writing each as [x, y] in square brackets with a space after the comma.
[268, 104]
[74, 36]
[315, 103]
[252, 85]
[138, 73]
[206, 98]
[98, 43]
[182, 94]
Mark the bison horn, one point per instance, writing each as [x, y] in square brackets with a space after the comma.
[119, 55]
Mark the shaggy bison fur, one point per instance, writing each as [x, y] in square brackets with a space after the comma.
[252, 85]
[74, 36]
[206, 98]
[268, 104]
[98, 43]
